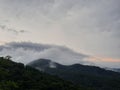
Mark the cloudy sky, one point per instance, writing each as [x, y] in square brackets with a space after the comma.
[91, 27]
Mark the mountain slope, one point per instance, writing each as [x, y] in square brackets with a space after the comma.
[16, 76]
[88, 76]
[113, 69]
[116, 69]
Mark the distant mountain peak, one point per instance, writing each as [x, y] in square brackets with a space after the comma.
[52, 65]
[42, 64]
[17, 76]
[79, 74]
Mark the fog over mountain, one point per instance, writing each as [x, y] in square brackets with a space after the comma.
[26, 52]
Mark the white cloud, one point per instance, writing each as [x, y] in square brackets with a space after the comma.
[26, 52]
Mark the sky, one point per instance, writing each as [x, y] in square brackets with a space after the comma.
[90, 27]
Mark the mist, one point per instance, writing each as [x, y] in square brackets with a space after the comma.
[26, 52]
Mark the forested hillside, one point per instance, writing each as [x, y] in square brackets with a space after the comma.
[87, 76]
[16, 76]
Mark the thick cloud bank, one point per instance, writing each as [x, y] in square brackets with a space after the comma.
[26, 52]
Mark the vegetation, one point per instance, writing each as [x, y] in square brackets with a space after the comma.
[87, 76]
[16, 76]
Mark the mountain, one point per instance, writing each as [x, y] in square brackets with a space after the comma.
[116, 69]
[87, 76]
[113, 69]
[16, 76]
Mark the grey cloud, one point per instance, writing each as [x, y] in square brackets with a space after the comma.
[22, 31]
[6, 28]
[2, 27]
[26, 51]
[102, 13]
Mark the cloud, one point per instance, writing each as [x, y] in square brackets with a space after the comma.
[9, 29]
[73, 16]
[2, 42]
[25, 52]
[105, 61]
[22, 31]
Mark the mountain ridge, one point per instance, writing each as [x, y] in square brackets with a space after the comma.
[17, 76]
[88, 76]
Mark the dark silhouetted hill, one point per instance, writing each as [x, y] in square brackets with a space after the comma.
[87, 76]
[16, 76]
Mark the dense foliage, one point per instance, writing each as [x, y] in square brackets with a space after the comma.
[87, 76]
[16, 76]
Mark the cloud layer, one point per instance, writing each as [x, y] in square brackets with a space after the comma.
[25, 52]
[8, 29]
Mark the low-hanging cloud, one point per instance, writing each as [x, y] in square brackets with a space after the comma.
[26, 52]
